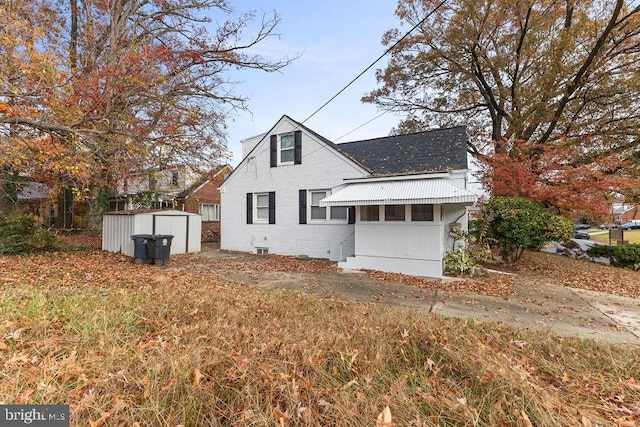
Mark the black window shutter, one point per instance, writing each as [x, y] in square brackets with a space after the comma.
[249, 208]
[351, 214]
[297, 147]
[274, 151]
[272, 207]
[302, 206]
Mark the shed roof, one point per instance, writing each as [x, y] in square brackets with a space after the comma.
[151, 211]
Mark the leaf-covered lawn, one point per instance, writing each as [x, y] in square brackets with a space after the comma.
[128, 344]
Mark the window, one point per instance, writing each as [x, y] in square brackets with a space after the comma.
[316, 211]
[262, 251]
[319, 213]
[286, 148]
[262, 207]
[339, 212]
[370, 213]
[209, 211]
[394, 213]
[174, 178]
[421, 212]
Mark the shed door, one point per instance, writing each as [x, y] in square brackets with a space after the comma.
[177, 227]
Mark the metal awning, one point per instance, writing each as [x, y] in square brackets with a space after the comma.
[407, 192]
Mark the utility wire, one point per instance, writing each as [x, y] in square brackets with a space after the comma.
[378, 59]
[364, 71]
[364, 124]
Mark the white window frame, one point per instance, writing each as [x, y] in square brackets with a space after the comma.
[287, 149]
[210, 212]
[260, 208]
[328, 211]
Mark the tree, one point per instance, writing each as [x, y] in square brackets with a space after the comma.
[549, 90]
[518, 224]
[94, 91]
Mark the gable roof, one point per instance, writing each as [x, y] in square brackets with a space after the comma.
[203, 180]
[437, 150]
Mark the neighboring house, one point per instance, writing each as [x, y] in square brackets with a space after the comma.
[385, 204]
[177, 188]
[623, 212]
[204, 198]
[37, 198]
[155, 188]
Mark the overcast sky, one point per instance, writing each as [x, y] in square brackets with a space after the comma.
[336, 40]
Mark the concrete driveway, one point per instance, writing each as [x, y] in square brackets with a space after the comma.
[567, 311]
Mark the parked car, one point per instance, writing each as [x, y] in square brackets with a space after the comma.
[634, 224]
[608, 226]
[581, 226]
[581, 235]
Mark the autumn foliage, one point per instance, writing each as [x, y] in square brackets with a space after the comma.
[92, 91]
[561, 177]
[548, 91]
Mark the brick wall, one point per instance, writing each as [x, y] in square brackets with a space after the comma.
[633, 213]
[207, 193]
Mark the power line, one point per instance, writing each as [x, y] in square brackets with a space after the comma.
[364, 124]
[378, 59]
[363, 72]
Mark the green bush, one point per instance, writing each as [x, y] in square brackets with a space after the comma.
[22, 233]
[458, 262]
[601, 251]
[627, 255]
[517, 224]
[622, 255]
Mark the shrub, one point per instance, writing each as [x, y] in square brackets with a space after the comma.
[22, 233]
[621, 256]
[458, 261]
[518, 224]
[601, 251]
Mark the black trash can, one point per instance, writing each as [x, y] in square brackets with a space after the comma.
[159, 248]
[141, 252]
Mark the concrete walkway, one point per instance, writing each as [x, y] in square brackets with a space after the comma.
[566, 311]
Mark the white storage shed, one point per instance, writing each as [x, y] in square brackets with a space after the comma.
[118, 227]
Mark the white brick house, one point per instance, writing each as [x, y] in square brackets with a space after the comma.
[383, 204]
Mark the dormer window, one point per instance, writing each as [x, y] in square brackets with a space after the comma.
[286, 148]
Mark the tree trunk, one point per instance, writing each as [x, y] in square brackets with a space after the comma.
[96, 206]
[65, 209]
[8, 191]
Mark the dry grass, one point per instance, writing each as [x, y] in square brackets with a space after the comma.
[125, 344]
[633, 236]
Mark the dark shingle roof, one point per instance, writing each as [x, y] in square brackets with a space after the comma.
[436, 150]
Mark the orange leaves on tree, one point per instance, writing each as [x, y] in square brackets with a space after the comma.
[562, 174]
